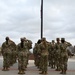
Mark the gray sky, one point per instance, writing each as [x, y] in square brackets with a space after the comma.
[21, 18]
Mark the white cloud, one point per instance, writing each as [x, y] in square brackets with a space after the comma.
[20, 18]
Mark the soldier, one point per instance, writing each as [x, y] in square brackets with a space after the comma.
[13, 54]
[37, 54]
[28, 45]
[21, 52]
[6, 51]
[49, 50]
[44, 55]
[57, 54]
[53, 54]
[64, 56]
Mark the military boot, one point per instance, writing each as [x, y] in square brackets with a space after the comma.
[62, 72]
[42, 72]
[45, 72]
[56, 68]
[7, 69]
[19, 72]
[39, 69]
[4, 69]
[23, 72]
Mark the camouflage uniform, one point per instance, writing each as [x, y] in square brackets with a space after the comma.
[6, 52]
[21, 50]
[37, 53]
[13, 54]
[57, 54]
[64, 56]
[49, 51]
[44, 55]
[28, 46]
[53, 51]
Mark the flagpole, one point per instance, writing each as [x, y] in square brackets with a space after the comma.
[41, 18]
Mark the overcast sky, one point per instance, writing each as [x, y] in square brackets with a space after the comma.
[21, 18]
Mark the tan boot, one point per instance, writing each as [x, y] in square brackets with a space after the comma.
[7, 69]
[64, 72]
[23, 72]
[19, 72]
[45, 72]
[3, 69]
[42, 72]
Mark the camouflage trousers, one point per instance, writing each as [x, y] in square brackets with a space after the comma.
[22, 63]
[57, 62]
[63, 63]
[44, 65]
[6, 60]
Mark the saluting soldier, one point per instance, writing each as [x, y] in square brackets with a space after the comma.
[21, 57]
[6, 51]
[44, 55]
[64, 56]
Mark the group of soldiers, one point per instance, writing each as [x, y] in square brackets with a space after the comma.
[52, 54]
[12, 52]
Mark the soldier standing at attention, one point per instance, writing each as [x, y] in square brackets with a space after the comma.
[49, 56]
[53, 54]
[57, 54]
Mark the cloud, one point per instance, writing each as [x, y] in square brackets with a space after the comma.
[21, 18]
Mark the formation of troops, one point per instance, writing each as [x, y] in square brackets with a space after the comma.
[52, 54]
